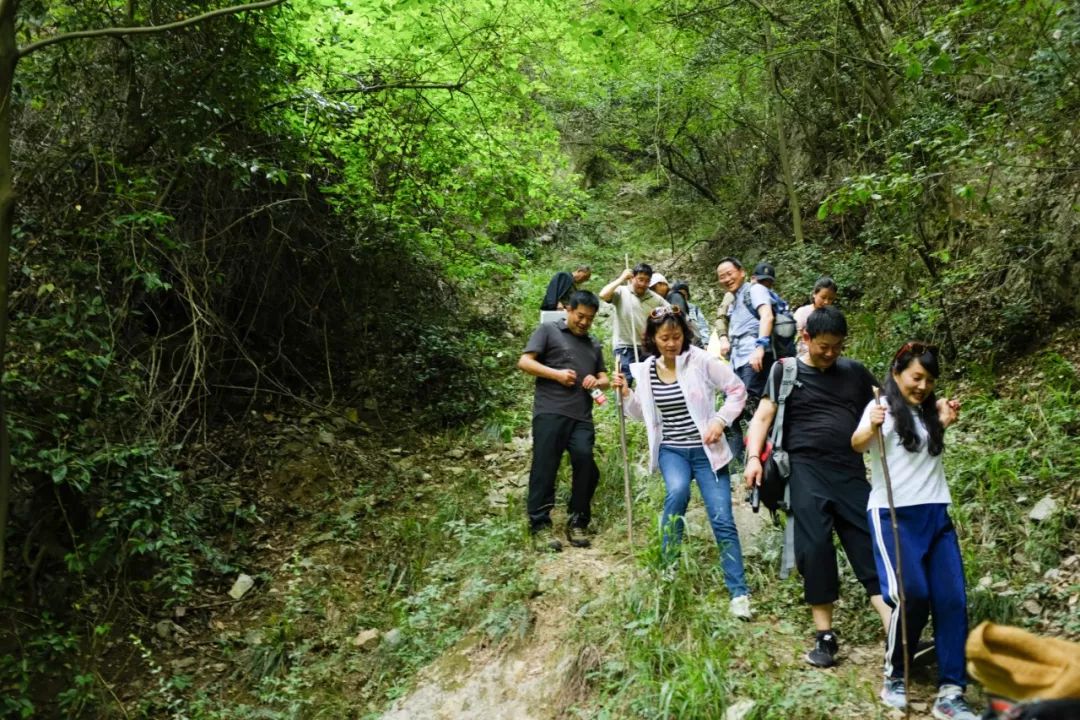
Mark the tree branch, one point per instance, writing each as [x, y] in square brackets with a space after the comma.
[145, 29]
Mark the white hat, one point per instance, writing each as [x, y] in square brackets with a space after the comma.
[657, 278]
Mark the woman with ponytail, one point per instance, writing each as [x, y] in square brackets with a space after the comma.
[912, 423]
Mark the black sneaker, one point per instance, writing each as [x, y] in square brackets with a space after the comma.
[544, 540]
[577, 536]
[824, 652]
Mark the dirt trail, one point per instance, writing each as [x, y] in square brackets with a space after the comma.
[523, 680]
[535, 676]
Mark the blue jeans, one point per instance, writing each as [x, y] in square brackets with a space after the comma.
[755, 389]
[679, 466]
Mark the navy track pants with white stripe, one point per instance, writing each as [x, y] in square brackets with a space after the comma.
[933, 585]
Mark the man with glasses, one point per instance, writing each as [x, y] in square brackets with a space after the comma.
[633, 302]
[828, 488]
[568, 365]
[748, 337]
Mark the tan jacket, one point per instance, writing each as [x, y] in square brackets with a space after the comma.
[1018, 665]
[722, 313]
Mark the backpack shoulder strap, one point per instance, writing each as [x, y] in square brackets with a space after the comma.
[749, 302]
[787, 382]
[779, 304]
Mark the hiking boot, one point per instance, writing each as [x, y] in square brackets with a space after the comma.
[950, 705]
[893, 693]
[577, 537]
[544, 540]
[740, 607]
[823, 654]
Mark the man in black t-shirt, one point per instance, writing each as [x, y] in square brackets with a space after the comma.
[568, 364]
[828, 483]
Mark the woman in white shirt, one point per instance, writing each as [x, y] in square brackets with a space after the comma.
[676, 399]
[912, 423]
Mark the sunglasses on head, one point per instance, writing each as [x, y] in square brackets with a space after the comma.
[664, 311]
[917, 349]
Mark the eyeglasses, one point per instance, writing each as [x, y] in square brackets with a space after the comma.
[917, 349]
[664, 311]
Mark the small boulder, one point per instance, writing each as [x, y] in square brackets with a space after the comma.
[241, 586]
[367, 639]
[1043, 509]
[739, 710]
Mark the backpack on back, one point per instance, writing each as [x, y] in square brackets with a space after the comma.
[783, 329]
[776, 466]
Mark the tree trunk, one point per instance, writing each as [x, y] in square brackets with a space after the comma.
[9, 56]
[781, 134]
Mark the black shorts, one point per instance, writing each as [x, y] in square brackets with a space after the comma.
[825, 498]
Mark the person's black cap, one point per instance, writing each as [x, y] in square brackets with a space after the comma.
[765, 271]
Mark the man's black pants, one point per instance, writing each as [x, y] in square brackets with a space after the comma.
[553, 435]
[825, 499]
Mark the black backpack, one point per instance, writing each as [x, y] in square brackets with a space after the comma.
[776, 467]
[783, 329]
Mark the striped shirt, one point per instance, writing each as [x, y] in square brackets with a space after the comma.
[678, 427]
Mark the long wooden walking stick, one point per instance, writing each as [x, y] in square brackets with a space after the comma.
[622, 443]
[626, 471]
[899, 561]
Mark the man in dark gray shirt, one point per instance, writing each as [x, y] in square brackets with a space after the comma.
[568, 364]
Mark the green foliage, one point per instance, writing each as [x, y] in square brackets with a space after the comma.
[1009, 451]
[339, 201]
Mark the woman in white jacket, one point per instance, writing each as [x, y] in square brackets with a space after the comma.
[676, 399]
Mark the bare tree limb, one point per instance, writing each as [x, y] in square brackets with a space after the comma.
[145, 29]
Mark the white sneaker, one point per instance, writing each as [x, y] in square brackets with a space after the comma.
[740, 607]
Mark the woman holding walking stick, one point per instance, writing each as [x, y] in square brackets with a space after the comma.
[676, 398]
[910, 428]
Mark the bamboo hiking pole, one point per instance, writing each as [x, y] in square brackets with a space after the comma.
[626, 472]
[899, 561]
[622, 443]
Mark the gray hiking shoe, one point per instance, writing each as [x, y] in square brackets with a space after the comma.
[544, 540]
[894, 693]
[951, 705]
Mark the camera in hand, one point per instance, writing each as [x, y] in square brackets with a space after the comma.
[754, 498]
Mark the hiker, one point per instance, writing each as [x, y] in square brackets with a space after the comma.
[718, 338]
[680, 295]
[676, 399]
[828, 488]
[568, 363]
[633, 301]
[765, 274]
[747, 338]
[912, 422]
[659, 285]
[561, 285]
[824, 294]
